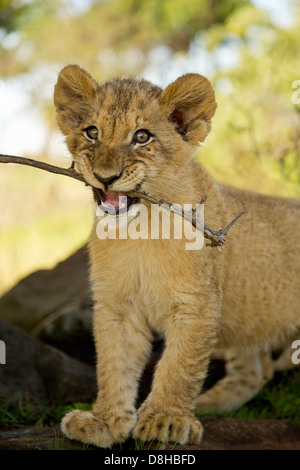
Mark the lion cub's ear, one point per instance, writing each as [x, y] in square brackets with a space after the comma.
[190, 104]
[73, 94]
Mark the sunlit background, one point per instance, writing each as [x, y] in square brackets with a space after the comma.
[249, 49]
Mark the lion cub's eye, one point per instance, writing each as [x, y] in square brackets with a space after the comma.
[91, 133]
[141, 137]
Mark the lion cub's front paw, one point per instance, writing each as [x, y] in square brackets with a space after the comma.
[182, 429]
[90, 428]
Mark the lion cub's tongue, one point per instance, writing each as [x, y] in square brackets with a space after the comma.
[115, 199]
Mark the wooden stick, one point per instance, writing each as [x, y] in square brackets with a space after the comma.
[43, 166]
[217, 238]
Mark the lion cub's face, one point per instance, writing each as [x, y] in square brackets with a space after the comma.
[129, 134]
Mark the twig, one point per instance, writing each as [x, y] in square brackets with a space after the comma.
[42, 166]
[217, 238]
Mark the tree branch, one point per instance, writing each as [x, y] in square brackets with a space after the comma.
[42, 166]
[217, 238]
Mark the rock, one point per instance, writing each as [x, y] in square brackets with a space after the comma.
[55, 306]
[39, 371]
[219, 434]
[37, 438]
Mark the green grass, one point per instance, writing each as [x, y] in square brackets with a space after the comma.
[279, 399]
[15, 413]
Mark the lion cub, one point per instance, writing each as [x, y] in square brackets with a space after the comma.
[129, 134]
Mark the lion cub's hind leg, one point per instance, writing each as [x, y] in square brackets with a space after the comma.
[245, 376]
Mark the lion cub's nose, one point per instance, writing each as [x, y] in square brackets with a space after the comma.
[107, 180]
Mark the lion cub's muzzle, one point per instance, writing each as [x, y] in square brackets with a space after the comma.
[112, 202]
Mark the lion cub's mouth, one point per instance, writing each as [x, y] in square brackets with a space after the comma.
[113, 202]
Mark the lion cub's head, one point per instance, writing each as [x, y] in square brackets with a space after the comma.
[130, 134]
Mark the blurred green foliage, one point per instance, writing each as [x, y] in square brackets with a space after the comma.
[257, 125]
[279, 399]
[59, 31]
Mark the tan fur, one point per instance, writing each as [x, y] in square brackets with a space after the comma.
[244, 300]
